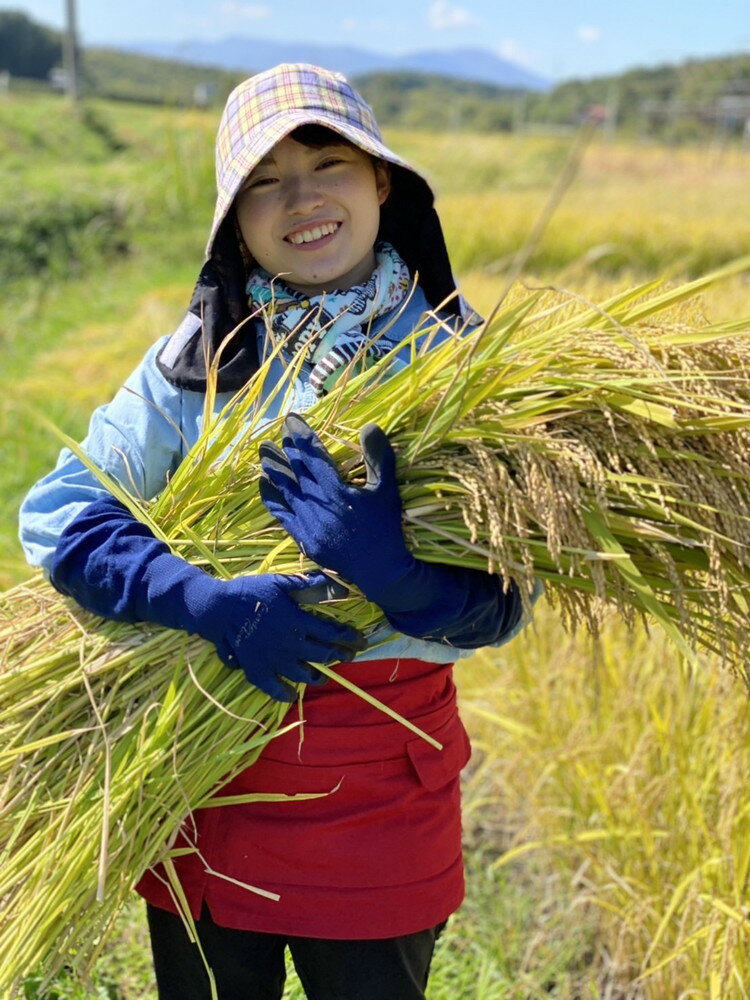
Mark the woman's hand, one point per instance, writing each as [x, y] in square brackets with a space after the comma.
[353, 530]
[356, 531]
[112, 565]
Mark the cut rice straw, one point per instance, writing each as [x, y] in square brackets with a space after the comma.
[601, 449]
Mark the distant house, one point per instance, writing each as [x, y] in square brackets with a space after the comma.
[58, 79]
[203, 94]
[597, 114]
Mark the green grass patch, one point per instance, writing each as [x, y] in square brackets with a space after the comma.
[39, 231]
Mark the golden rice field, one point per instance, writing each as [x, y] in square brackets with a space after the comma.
[607, 814]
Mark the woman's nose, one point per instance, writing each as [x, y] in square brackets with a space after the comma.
[303, 195]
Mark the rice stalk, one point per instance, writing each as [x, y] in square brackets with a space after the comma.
[604, 450]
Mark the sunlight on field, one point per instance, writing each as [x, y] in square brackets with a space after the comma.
[607, 821]
[672, 220]
[627, 775]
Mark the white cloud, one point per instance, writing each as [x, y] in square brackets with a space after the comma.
[443, 15]
[245, 11]
[349, 24]
[587, 33]
[511, 50]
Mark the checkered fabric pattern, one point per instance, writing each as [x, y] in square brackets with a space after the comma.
[268, 106]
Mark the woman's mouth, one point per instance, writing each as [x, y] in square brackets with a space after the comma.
[313, 234]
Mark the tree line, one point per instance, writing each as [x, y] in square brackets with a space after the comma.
[27, 49]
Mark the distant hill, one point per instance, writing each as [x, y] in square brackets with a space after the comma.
[675, 101]
[409, 99]
[421, 100]
[254, 54]
[467, 89]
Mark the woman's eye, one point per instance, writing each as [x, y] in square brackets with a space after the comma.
[259, 182]
[330, 161]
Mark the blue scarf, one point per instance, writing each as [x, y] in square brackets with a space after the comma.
[332, 329]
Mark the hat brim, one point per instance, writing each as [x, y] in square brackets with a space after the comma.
[240, 164]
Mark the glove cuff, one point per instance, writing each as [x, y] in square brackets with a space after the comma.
[392, 589]
[413, 587]
[174, 593]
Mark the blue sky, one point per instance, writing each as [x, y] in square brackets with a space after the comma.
[558, 39]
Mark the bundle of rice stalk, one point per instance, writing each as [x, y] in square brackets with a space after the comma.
[581, 445]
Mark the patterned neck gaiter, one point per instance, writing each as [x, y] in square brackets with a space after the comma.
[332, 329]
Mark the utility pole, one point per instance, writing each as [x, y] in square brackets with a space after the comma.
[70, 51]
[613, 108]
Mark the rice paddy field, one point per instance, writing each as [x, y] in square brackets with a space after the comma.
[607, 817]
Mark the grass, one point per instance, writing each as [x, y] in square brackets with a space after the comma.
[618, 780]
[78, 359]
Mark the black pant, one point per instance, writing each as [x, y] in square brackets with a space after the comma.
[248, 965]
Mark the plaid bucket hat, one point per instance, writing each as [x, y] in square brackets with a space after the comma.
[264, 109]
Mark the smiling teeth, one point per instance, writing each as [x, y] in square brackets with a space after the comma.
[308, 235]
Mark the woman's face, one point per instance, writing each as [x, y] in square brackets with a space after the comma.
[312, 215]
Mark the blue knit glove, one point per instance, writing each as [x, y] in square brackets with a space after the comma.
[112, 565]
[356, 532]
[353, 530]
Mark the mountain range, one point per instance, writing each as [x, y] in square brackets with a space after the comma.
[254, 54]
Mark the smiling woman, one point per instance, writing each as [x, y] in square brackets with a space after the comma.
[312, 213]
[325, 256]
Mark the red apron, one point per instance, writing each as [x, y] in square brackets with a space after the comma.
[378, 857]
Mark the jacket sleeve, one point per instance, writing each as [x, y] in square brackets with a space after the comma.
[136, 439]
[431, 328]
[466, 608]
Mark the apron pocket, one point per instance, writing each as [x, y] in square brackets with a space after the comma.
[436, 768]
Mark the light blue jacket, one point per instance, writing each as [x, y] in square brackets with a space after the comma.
[141, 437]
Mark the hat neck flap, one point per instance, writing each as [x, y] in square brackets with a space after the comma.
[409, 222]
[216, 322]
